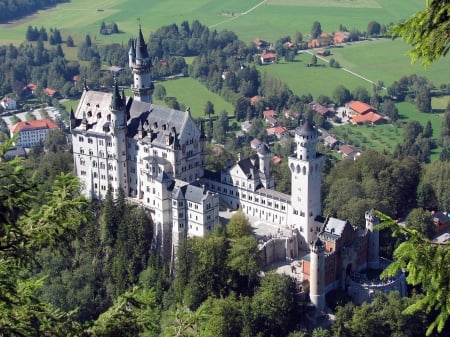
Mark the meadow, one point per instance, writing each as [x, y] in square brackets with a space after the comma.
[194, 95]
[249, 19]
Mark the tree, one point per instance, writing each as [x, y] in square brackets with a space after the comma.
[239, 226]
[274, 306]
[26, 226]
[314, 60]
[373, 28]
[341, 95]
[421, 221]
[426, 264]
[209, 109]
[423, 99]
[159, 92]
[69, 41]
[316, 30]
[427, 32]
[298, 37]
[361, 94]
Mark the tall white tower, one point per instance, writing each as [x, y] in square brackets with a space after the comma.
[306, 179]
[118, 157]
[317, 275]
[140, 65]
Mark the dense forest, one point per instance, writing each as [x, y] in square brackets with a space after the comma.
[16, 9]
[101, 273]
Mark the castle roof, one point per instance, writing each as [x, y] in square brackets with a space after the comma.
[307, 129]
[141, 47]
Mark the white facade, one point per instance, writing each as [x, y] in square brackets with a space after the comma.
[157, 156]
[32, 133]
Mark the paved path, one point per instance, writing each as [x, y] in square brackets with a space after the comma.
[238, 15]
[344, 69]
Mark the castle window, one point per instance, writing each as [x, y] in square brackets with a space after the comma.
[81, 150]
[95, 175]
[108, 118]
[89, 114]
[82, 162]
[81, 139]
[99, 115]
[94, 164]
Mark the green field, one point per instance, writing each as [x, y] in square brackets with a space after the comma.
[193, 94]
[271, 20]
[314, 80]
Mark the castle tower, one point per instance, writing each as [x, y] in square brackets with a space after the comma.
[306, 179]
[119, 131]
[317, 275]
[373, 253]
[264, 166]
[140, 65]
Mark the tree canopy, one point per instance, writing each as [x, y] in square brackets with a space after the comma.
[427, 31]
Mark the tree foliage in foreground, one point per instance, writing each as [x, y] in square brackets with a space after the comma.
[427, 31]
[426, 263]
[25, 229]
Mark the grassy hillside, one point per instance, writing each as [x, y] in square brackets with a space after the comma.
[248, 18]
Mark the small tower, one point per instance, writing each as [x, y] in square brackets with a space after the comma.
[373, 253]
[264, 166]
[317, 275]
[118, 133]
[140, 65]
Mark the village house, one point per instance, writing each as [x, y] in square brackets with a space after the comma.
[349, 152]
[322, 110]
[277, 131]
[360, 113]
[267, 58]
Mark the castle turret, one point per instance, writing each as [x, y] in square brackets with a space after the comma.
[264, 166]
[140, 65]
[317, 275]
[118, 132]
[373, 253]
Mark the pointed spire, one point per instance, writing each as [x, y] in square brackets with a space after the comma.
[140, 130]
[86, 88]
[116, 101]
[84, 122]
[141, 47]
[72, 114]
[132, 50]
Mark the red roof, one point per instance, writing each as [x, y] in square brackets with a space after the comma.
[268, 56]
[360, 107]
[37, 124]
[255, 99]
[371, 117]
[271, 113]
[49, 91]
[277, 130]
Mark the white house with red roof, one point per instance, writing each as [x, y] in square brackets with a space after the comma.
[32, 133]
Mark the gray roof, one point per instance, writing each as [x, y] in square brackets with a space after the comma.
[264, 149]
[163, 121]
[190, 192]
[141, 47]
[335, 226]
[306, 129]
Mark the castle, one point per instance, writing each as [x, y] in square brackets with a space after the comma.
[157, 156]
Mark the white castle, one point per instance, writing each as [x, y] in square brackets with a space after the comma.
[156, 155]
